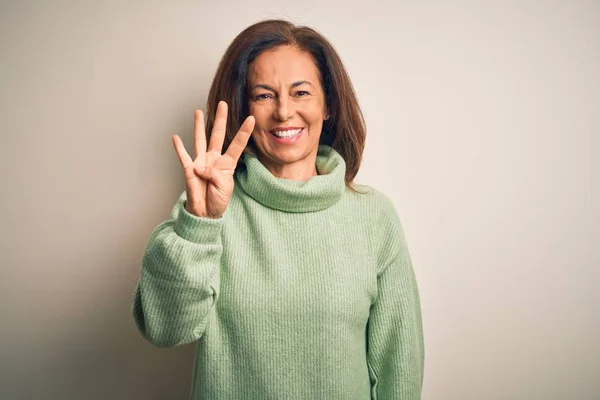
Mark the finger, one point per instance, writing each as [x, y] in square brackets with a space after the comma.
[182, 154]
[217, 135]
[240, 141]
[199, 134]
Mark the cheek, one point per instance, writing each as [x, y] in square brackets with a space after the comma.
[314, 114]
[316, 127]
[261, 116]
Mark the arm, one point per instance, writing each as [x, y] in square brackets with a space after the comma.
[395, 349]
[180, 276]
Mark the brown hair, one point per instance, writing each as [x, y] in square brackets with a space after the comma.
[344, 131]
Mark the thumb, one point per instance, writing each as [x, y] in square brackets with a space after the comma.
[214, 175]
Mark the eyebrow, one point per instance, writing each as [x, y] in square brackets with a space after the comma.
[295, 84]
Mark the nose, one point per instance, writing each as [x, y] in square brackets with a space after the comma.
[284, 109]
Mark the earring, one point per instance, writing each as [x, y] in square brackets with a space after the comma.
[326, 117]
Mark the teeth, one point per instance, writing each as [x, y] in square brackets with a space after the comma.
[285, 134]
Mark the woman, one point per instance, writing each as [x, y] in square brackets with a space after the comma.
[295, 281]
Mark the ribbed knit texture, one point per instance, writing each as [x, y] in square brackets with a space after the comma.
[301, 290]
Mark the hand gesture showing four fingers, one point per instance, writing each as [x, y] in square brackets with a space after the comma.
[209, 177]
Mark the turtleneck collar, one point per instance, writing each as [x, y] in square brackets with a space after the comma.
[318, 193]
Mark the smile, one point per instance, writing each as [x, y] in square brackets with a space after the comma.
[287, 135]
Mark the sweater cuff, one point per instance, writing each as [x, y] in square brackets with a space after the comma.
[198, 229]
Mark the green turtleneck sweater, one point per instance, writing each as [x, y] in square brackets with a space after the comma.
[301, 290]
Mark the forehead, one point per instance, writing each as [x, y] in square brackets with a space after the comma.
[285, 65]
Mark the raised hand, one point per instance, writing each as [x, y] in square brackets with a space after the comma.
[209, 177]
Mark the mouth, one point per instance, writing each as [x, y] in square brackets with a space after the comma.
[286, 135]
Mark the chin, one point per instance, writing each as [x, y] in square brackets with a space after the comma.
[286, 153]
[288, 156]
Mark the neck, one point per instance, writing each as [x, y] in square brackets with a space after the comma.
[293, 195]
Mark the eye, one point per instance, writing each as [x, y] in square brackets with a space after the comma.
[302, 93]
[263, 96]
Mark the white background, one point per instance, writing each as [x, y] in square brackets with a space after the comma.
[483, 127]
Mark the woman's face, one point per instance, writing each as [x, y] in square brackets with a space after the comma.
[288, 104]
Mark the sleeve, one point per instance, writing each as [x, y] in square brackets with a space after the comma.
[395, 348]
[180, 277]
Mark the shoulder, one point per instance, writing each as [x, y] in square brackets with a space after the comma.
[378, 203]
[386, 228]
